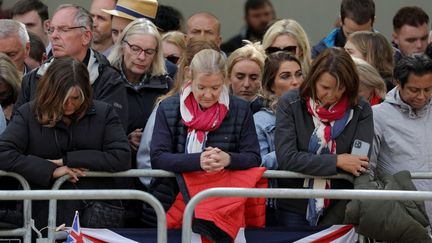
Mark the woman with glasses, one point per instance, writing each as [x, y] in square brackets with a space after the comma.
[245, 67]
[173, 45]
[288, 35]
[137, 54]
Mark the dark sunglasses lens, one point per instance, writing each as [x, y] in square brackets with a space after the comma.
[173, 59]
[290, 49]
[271, 50]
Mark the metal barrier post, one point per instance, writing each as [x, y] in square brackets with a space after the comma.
[25, 231]
[52, 210]
[95, 195]
[294, 194]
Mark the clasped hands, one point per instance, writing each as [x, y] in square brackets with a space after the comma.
[62, 170]
[214, 159]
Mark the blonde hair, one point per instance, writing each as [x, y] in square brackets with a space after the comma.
[251, 51]
[139, 27]
[176, 38]
[294, 30]
[376, 49]
[370, 77]
[208, 61]
[10, 76]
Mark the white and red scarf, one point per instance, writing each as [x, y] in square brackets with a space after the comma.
[199, 121]
[329, 124]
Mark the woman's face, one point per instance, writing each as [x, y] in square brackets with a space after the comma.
[206, 88]
[327, 91]
[73, 102]
[171, 52]
[288, 76]
[245, 79]
[286, 42]
[138, 53]
[353, 51]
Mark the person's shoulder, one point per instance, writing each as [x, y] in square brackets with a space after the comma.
[291, 97]
[239, 102]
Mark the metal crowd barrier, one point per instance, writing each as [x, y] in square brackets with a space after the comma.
[294, 194]
[95, 195]
[24, 231]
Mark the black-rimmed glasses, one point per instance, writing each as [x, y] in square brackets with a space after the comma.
[136, 50]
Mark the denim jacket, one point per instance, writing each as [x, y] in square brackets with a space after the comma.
[265, 123]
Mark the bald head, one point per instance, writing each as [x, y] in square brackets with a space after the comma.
[204, 25]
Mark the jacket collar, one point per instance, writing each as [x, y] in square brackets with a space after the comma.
[92, 66]
[393, 97]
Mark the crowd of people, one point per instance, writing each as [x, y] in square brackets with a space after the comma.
[131, 84]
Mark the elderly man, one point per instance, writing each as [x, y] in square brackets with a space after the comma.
[205, 25]
[72, 36]
[15, 43]
[102, 40]
[403, 123]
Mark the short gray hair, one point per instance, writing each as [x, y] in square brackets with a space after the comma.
[9, 28]
[82, 15]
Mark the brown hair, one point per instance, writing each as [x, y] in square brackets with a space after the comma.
[376, 49]
[10, 76]
[338, 63]
[271, 68]
[54, 87]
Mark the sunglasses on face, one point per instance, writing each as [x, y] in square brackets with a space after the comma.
[289, 49]
[173, 59]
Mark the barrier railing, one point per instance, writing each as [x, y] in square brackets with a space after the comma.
[95, 195]
[294, 194]
[24, 231]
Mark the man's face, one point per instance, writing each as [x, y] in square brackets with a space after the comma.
[101, 21]
[205, 27]
[67, 38]
[258, 19]
[34, 24]
[349, 26]
[117, 26]
[417, 90]
[13, 48]
[411, 39]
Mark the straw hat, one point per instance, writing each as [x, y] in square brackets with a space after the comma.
[134, 9]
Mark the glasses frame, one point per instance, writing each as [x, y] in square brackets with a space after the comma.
[137, 52]
[63, 29]
[289, 49]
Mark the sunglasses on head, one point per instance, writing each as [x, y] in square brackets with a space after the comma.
[289, 49]
[173, 59]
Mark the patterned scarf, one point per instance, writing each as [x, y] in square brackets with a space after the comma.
[198, 121]
[329, 123]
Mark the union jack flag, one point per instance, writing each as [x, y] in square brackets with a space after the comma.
[77, 236]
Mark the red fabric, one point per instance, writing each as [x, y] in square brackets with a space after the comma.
[204, 120]
[334, 235]
[375, 100]
[327, 116]
[228, 213]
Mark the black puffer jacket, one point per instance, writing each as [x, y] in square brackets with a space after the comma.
[96, 142]
[106, 82]
[393, 221]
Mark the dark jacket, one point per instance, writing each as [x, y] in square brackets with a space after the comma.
[392, 221]
[294, 127]
[106, 82]
[141, 98]
[97, 142]
[236, 135]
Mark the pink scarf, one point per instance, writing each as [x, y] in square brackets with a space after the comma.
[198, 121]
